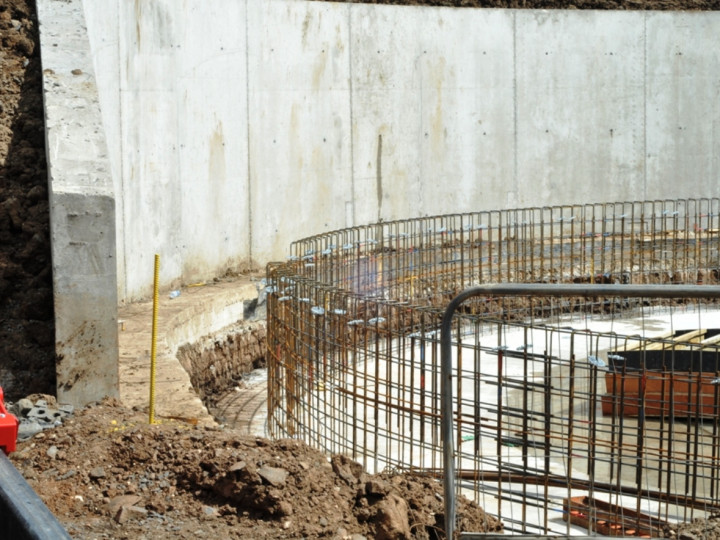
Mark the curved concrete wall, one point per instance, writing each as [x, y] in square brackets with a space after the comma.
[235, 127]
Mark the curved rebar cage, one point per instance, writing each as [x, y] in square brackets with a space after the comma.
[592, 413]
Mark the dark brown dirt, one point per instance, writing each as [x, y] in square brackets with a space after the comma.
[695, 530]
[27, 332]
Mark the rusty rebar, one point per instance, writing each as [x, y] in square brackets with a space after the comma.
[345, 381]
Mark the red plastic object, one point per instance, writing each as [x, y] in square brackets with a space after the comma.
[8, 427]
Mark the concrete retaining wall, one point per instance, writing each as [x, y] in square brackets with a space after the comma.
[235, 127]
[82, 211]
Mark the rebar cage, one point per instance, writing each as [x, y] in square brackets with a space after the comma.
[573, 413]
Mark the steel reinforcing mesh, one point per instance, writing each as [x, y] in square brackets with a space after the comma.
[544, 416]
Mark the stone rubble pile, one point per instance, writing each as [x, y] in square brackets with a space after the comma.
[38, 415]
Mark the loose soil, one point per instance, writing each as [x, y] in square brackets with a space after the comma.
[27, 333]
[106, 473]
[129, 479]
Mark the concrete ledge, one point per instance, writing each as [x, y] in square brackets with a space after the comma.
[82, 210]
[197, 312]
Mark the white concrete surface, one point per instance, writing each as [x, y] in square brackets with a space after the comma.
[580, 108]
[435, 85]
[299, 121]
[228, 129]
[103, 34]
[82, 211]
[683, 101]
[236, 127]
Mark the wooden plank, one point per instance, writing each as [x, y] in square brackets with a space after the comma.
[609, 519]
[710, 341]
[639, 341]
[687, 337]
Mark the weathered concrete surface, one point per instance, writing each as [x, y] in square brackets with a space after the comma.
[580, 109]
[236, 127]
[432, 110]
[302, 179]
[197, 312]
[682, 89]
[82, 211]
[246, 125]
[173, 82]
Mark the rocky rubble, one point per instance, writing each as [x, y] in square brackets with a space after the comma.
[36, 413]
[105, 473]
[218, 362]
[697, 529]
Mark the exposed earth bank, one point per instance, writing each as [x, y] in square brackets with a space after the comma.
[27, 332]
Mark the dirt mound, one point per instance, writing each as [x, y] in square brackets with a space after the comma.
[707, 529]
[107, 472]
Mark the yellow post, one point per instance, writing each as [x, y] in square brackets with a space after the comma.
[153, 346]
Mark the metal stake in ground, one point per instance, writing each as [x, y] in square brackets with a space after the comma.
[153, 346]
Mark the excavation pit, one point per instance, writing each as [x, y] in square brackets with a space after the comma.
[354, 354]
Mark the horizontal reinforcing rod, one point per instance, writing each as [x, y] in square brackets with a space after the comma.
[526, 289]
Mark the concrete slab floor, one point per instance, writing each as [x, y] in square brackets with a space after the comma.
[245, 406]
